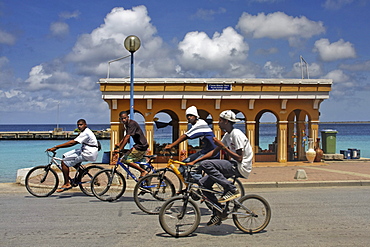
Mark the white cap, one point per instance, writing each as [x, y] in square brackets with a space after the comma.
[229, 115]
[192, 110]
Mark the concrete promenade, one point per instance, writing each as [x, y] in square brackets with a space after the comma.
[282, 175]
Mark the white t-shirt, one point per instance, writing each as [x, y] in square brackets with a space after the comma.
[237, 140]
[89, 151]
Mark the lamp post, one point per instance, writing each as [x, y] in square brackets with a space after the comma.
[132, 44]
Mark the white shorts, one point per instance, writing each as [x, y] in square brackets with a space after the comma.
[73, 157]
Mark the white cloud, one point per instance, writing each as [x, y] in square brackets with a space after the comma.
[279, 25]
[343, 86]
[7, 38]
[273, 70]
[314, 71]
[69, 15]
[334, 51]
[93, 51]
[37, 77]
[224, 51]
[208, 14]
[359, 66]
[59, 29]
[336, 4]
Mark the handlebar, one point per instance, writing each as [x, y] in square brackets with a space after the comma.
[48, 153]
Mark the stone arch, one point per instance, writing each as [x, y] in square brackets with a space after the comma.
[301, 126]
[270, 152]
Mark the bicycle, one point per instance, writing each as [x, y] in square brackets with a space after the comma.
[150, 192]
[42, 181]
[180, 216]
[111, 183]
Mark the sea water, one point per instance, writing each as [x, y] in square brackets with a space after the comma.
[17, 154]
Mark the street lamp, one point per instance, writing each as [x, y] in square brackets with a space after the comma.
[132, 44]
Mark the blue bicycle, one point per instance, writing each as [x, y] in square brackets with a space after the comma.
[110, 184]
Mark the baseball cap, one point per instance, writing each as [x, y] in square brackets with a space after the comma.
[192, 110]
[229, 115]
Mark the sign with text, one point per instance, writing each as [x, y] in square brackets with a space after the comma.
[218, 87]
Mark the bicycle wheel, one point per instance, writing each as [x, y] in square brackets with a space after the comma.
[86, 177]
[107, 186]
[238, 185]
[253, 215]
[151, 191]
[171, 175]
[41, 181]
[179, 216]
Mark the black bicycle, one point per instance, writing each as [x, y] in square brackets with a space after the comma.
[180, 216]
[42, 181]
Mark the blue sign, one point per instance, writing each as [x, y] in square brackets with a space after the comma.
[218, 87]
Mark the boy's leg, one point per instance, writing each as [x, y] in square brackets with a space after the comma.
[133, 157]
[65, 170]
[219, 171]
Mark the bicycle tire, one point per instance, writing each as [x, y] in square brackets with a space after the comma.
[106, 187]
[169, 216]
[86, 177]
[256, 218]
[41, 181]
[148, 197]
[238, 184]
[171, 175]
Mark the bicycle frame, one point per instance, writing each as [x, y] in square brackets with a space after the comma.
[79, 168]
[127, 168]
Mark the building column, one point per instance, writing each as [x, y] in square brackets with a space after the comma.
[149, 128]
[314, 129]
[183, 128]
[282, 141]
[301, 133]
[216, 130]
[250, 128]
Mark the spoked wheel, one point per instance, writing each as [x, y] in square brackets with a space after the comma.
[107, 186]
[171, 175]
[179, 216]
[252, 215]
[41, 181]
[86, 178]
[238, 184]
[152, 191]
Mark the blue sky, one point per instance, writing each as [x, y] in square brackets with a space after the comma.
[54, 52]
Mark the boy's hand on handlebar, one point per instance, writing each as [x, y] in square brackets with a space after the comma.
[218, 142]
[168, 146]
[53, 149]
[191, 163]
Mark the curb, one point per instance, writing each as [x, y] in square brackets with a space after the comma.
[16, 187]
[304, 184]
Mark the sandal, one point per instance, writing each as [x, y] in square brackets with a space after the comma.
[61, 189]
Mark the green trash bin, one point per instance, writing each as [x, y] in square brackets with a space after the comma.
[329, 141]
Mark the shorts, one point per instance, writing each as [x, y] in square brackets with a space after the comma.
[134, 156]
[73, 157]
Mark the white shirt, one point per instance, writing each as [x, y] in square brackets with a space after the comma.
[237, 140]
[89, 151]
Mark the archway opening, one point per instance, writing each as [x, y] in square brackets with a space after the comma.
[266, 137]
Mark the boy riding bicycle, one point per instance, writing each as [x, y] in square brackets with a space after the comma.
[236, 145]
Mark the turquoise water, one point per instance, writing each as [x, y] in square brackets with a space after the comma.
[15, 155]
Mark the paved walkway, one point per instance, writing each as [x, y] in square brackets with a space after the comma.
[273, 174]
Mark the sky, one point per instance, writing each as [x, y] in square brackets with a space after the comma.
[53, 53]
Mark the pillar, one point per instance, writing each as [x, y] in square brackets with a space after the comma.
[282, 144]
[314, 129]
[183, 127]
[149, 127]
[250, 127]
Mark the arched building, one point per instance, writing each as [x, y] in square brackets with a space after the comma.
[294, 102]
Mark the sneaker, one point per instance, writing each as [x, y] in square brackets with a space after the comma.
[229, 196]
[215, 220]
